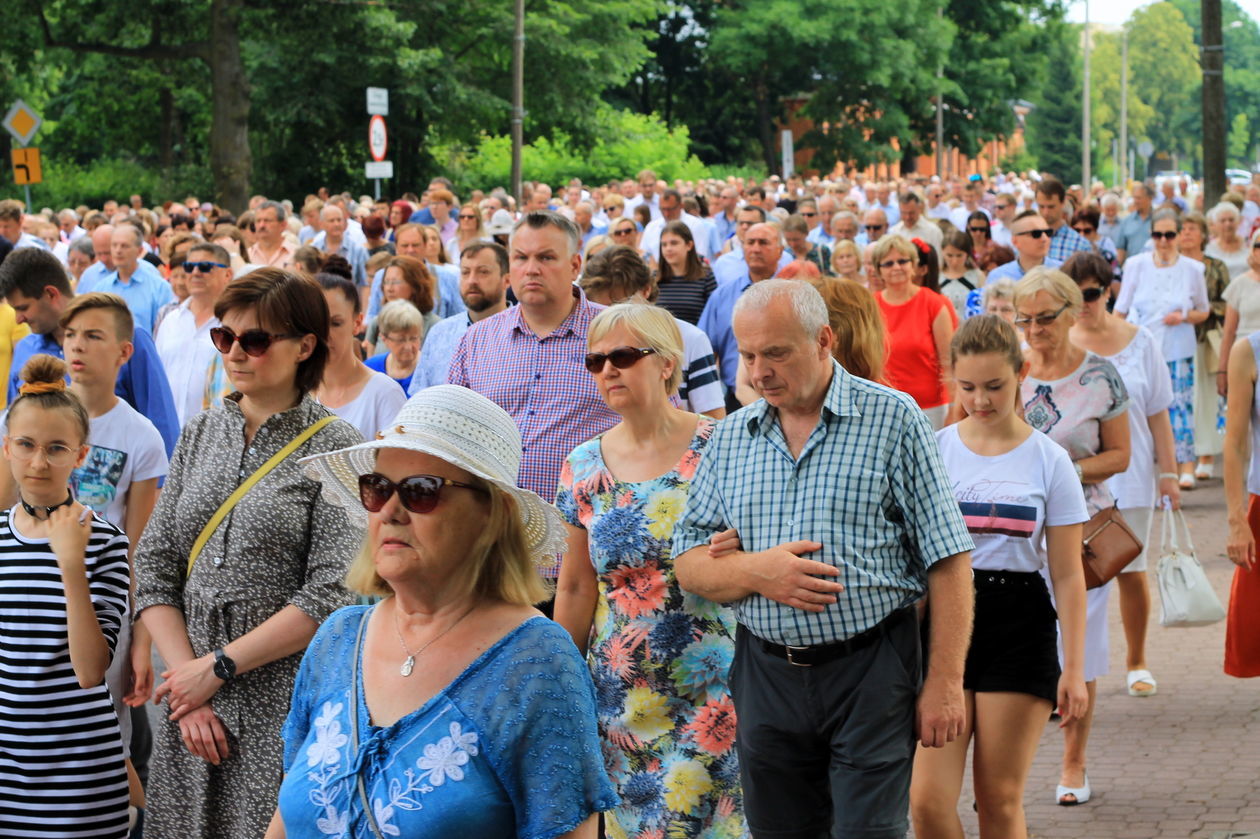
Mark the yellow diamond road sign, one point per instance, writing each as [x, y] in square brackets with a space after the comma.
[22, 122]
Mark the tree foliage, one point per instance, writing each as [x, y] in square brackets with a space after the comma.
[1054, 126]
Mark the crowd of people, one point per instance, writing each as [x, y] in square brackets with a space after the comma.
[704, 509]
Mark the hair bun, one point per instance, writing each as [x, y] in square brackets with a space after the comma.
[43, 373]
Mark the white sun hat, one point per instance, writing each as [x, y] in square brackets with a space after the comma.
[466, 430]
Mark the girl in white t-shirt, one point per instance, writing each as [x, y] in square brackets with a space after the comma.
[1023, 503]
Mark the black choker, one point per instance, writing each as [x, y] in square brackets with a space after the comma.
[32, 511]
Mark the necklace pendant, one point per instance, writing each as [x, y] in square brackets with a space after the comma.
[408, 666]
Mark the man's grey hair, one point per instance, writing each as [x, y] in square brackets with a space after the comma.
[1110, 200]
[540, 219]
[83, 245]
[1224, 208]
[68, 213]
[281, 213]
[807, 304]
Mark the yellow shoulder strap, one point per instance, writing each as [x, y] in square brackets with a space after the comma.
[226, 507]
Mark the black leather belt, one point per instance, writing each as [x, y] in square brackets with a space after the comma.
[809, 656]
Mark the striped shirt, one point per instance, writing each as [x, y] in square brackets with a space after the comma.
[541, 382]
[685, 299]
[869, 485]
[61, 764]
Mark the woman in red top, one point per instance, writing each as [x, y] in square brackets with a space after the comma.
[920, 326]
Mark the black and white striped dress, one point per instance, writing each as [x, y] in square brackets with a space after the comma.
[61, 756]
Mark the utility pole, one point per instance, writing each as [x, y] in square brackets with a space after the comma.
[1086, 174]
[940, 109]
[1124, 106]
[1213, 63]
[518, 99]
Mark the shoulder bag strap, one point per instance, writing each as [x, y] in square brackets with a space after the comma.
[354, 725]
[226, 507]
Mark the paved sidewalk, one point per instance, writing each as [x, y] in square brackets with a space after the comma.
[1184, 764]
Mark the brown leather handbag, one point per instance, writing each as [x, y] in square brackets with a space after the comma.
[1109, 545]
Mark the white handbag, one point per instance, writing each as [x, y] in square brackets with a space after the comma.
[1185, 595]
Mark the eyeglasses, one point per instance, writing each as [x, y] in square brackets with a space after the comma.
[402, 339]
[1041, 320]
[978, 229]
[1084, 231]
[463, 217]
[1164, 234]
[625, 231]
[1037, 234]
[874, 226]
[55, 454]
[889, 263]
[1256, 246]
[418, 493]
[1092, 293]
[621, 358]
[255, 342]
[809, 215]
[202, 267]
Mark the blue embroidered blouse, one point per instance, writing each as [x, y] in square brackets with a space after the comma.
[509, 748]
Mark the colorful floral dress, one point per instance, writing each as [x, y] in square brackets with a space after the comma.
[659, 656]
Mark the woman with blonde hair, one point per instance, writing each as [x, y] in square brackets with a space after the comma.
[451, 707]
[861, 344]
[846, 260]
[920, 324]
[658, 656]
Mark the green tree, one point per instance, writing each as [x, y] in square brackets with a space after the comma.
[1054, 126]
[1240, 141]
[1165, 75]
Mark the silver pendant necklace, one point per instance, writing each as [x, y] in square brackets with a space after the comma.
[409, 664]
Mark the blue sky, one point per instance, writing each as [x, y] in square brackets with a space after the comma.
[1116, 12]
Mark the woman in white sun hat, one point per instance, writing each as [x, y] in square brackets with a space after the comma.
[452, 705]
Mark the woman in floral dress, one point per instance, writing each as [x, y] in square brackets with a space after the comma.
[658, 655]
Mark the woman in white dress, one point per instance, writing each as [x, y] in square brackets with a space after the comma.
[366, 399]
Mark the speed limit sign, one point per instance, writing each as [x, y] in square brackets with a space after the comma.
[378, 138]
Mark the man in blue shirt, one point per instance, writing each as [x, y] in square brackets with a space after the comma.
[36, 286]
[828, 206]
[724, 218]
[731, 265]
[1135, 230]
[334, 239]
[845, 519]
[1031, 237]
[483, 284]
[1051, 202]
[11, 211]
[145, 291]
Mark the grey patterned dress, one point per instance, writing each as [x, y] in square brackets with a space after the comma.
[282, 544]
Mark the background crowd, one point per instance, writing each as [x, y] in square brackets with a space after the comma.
[598, 337]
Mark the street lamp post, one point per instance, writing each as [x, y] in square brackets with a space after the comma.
[1086, 174]
[1213, 62]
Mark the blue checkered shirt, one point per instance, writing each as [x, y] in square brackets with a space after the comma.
[869, 485]
[1066, 242]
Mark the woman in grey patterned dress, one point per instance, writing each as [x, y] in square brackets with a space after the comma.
[268, 576]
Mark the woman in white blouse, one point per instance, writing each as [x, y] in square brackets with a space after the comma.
[1226, 244]
[1136, 355]
[1165, 292]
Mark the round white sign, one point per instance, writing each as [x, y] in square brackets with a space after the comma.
[378, 138]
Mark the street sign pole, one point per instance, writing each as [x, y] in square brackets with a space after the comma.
[22, 122]
[378, 168]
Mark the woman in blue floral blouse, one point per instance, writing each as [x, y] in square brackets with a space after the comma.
[658, 655]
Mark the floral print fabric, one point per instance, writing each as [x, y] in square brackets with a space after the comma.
[659, 656]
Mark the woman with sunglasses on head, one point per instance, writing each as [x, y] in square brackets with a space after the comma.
[1078, 400]
[920, 325]
[232, 599]
[1167, 293]
[451, 707]
[1137, 356]
[658, 656]
[1209, 405]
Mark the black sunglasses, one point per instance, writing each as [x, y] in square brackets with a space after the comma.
[418, 493]
[875, 226]
[1037, 234]
[203, 267]
[1084, 231]
[621, 358]
[255, 342]
[1164, 234]
[625, 231]
[1041, 320]
[1091, 294]
[978, 229]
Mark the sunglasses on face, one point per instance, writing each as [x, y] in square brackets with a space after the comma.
[978, 229]
[1164, 234]
[875, 226]
[1084, 231]
[809, 215]
[1041, 320]
[467, 218]
[1037, 234]
[202, 267]
[621, 358]
[891, 262]
[1092, 294]
[254, 342]
[418, 493]
[625, 231]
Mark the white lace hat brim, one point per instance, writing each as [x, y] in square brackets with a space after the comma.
[339, 473]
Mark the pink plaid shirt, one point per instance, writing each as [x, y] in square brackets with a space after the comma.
[541, 382]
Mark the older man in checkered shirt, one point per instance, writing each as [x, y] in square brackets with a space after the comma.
[835, 488]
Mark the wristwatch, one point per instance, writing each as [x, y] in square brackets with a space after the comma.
[224, 667]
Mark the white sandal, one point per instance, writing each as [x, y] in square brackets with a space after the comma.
[1136, 676]
[1080, 794]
